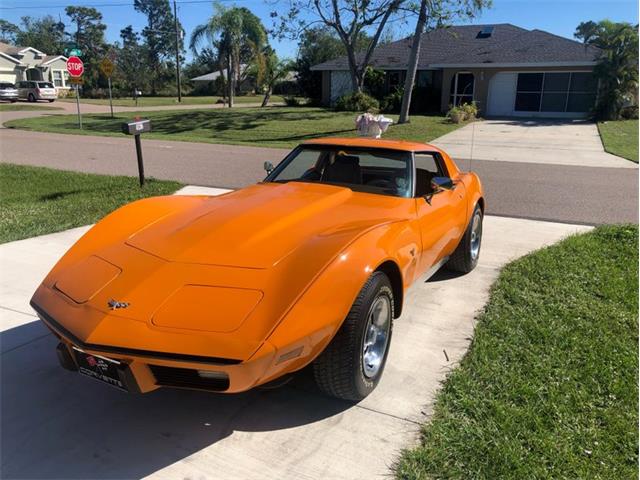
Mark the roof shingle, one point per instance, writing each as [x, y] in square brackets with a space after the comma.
[461, 45]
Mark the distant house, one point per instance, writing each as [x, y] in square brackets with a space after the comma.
[247, 85]
[507, 70]
[27, 63]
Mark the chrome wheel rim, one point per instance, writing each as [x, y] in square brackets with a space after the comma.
[476, 235]
[376, 336]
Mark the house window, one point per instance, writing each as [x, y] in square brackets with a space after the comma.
[462, 86]
[555, 92]
[57, 78]
[394, 80]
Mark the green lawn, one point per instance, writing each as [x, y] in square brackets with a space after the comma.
[15, 107]
[620, 138]
[549, 387]
[163, 101]
[270, 127]
[35, 201]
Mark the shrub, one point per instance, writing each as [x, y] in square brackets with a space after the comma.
[392, 103]
[470, 110]
[291, 101]
[456, 114]
[374, 81]
[357, 102]
[630, 112]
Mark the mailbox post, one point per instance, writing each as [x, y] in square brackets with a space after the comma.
[135, 128]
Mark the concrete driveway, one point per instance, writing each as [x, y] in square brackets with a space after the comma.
[550, 142]
[56, 424]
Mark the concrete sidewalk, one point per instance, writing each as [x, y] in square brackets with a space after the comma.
[548, 142]
[57, 424]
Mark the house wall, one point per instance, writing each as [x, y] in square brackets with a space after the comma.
[326, 87]
[7, 70]
[60, 67]
[340, 85]
[482, 77]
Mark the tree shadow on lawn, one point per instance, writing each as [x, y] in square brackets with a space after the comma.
[58, 424]
[216, 121]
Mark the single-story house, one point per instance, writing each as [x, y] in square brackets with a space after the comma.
[27, 63]
[507, 70]
[247, 84]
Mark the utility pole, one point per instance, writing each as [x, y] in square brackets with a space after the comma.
[175, 21]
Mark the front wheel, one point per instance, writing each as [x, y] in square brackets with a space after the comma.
[51, 101]
[352, 364]
[465, 257]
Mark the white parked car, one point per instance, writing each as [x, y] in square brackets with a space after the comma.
[36, 90]
[8, 92]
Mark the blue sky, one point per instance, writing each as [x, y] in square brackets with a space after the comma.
[555, 16]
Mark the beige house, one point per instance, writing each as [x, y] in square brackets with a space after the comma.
[27, 63]
[506, 70]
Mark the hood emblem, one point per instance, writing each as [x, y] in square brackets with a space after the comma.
[115, 305]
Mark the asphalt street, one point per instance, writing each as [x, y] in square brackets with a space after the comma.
[561, 193]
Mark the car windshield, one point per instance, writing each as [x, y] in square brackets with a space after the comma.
[45, 84]
[6, 85]
[371, 170]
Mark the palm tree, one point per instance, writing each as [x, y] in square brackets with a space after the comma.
[269, 70]
[237, 35]
[617, 68]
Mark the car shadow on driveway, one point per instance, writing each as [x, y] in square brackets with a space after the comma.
[58, 424]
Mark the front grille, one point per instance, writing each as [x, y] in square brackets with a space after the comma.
[188, 378]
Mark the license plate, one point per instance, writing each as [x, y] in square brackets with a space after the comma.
[100, 368]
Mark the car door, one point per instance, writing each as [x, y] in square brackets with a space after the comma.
[441, 214]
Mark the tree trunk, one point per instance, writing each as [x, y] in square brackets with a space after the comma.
[413, 63]
[267, 97]
[230, 83]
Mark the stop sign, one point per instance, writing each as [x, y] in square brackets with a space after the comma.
[75, 67]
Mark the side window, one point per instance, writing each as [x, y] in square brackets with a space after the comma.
[428, 165]
[303, 164]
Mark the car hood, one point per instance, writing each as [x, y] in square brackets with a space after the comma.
[258, 226]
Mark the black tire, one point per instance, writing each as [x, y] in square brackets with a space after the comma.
[463, 258]
[51, 101]
[339, 370]
[31, 98]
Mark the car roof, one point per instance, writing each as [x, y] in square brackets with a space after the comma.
[374, 143]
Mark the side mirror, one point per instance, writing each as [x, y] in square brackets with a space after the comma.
[268, 166]
[442, 183]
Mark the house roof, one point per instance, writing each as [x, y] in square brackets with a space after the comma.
[463, 46]
[52, 58]
[9, 49]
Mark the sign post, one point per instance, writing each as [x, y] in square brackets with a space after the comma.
[106, 66]
[75, 67]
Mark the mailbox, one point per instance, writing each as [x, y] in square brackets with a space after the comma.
[137, 127]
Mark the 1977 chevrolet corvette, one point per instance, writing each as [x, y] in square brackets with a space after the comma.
[231, 292]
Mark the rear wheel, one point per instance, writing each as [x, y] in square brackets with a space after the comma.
[465, 258]
[352, 364]
[51, 101]
[31, 97]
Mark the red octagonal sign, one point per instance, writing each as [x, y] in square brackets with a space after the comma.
[75, 67]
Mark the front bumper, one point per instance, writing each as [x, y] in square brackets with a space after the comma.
[148, 370]
[8, 96]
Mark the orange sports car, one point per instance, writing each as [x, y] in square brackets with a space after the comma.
[226, 293]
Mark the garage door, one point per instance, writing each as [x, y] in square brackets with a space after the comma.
[502, 94]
